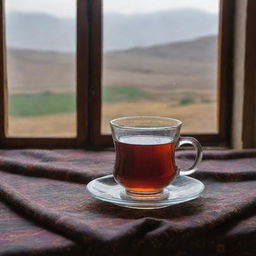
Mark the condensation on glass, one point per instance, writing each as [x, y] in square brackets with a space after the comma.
[41, 67]
[160, 59]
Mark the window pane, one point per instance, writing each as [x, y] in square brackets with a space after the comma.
[41, 67]
[160, 58]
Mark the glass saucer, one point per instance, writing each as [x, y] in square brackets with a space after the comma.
[181, 190]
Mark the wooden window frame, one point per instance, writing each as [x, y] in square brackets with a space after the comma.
[89, 71]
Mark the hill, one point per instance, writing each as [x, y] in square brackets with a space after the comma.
[127, 31]
[40, 71]
[190, 64]
[38, 31]
[201, 49]
[183, 65]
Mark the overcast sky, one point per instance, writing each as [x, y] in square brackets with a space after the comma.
[67, 7]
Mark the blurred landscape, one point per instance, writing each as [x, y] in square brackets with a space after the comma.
[41, 31]
[168, 69]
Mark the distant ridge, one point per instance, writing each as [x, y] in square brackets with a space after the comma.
[128, 31]
[199, 49]
[40, 31]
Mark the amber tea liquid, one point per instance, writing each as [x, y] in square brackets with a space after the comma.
[144, 163]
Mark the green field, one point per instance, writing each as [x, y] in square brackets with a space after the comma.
[119, 94]
[41, 104]
[25, 105]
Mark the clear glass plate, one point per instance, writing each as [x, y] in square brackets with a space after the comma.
[181, 190]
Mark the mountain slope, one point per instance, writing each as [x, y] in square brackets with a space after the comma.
[40, 31]
[39, 71]
[123, 32]
[190, 64]
[200, 49]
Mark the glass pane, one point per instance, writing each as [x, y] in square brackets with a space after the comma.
[41, 67]
[160, 58]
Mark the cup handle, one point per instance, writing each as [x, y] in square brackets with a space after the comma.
[199, 154]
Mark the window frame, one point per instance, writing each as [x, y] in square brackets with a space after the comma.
[89, 71]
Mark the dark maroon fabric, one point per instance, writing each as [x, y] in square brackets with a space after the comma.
[45, 210]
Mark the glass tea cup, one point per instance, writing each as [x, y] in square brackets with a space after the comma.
[145, 155]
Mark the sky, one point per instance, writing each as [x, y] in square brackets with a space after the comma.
[66, 8]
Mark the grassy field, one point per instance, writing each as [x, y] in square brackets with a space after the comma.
[122, 94]
[197, 117]
[22, 105]
[49, 114]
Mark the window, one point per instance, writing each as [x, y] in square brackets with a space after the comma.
[159, 60]
[99, 93]
[43, 71]
[41, 63]
[145, 68]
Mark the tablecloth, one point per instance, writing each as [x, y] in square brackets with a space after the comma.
[45, 209]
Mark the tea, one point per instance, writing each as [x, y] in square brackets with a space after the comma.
[144, 163]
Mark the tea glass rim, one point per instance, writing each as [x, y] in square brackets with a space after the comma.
[174, 126]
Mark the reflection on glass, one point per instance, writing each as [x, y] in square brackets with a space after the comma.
[41, 68]
[161, 60]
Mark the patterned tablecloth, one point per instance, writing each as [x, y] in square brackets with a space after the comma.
[44, 209]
